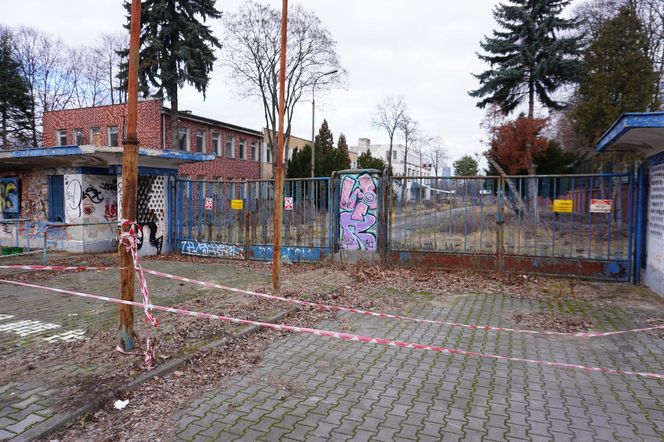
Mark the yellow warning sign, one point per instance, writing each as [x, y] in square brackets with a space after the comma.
[237, 204]
[563, 206]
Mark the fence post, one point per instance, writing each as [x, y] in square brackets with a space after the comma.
[45, 245]
[500, 223]
[247, 215]
[332, 216]
[384, 208]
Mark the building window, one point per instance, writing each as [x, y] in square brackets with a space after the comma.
[183, 142]
[200, 141]
[78, 136]
[94, 133]
[216, 143]
[394, 154]
[113, 136]
[254, 151]
[243, 150]
[61, 136]
[268, 154]
[230, 147]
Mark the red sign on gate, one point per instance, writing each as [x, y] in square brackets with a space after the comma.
[208, 203]
[288, 203]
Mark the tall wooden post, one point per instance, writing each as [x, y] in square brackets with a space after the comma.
[279, 169]
[130, 180]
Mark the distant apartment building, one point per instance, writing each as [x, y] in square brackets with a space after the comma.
[415, 165]
[236, 148]
[267, 159]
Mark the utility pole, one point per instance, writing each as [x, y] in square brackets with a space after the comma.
[313, 121]
[279, 168]
[129, 181]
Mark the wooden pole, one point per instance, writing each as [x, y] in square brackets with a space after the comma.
[130, 180]
[279, 169]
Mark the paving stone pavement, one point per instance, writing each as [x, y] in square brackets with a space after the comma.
[31, 318]
[311, 388]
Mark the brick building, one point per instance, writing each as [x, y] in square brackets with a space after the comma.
[236, 148]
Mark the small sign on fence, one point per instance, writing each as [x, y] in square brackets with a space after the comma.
[601, 206]
[208, 203]
[288, 203]
[237, 204]
[563, 206]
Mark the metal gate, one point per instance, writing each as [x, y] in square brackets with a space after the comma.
[233, 219]
[551, 224]
[559, 224]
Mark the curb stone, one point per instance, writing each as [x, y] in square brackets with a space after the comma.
[60, 420]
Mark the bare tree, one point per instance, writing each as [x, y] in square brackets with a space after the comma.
[390, 115]
[410, 130]
[108, 51]
[252, 50]
[437, 154]
[49, 70]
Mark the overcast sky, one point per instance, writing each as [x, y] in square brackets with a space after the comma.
[421, 49]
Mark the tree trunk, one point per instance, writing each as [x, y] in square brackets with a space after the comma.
[33, 122]
[531, 97]
[110, 80]
[389, 155]
[5, 142]
[173, 95]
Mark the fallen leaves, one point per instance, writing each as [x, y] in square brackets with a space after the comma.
[558, 322]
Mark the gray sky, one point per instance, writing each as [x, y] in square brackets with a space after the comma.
[421, 49]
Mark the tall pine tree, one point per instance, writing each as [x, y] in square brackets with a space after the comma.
[15, 100]
[529, 56]
[328, 158]
[616, 76]
[176, 48]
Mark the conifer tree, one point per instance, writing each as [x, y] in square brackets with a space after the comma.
[530, 56]
[328, 158]
[177, 47]
[616, 76]
[15, 100]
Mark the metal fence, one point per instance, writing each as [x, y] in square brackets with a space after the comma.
[461, 215]
[29, 236]
[535, 227]
[578, 224]
[234, 219]
[443, 214]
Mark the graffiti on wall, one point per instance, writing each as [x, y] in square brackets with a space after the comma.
[211, 249]
[90, 198]
[358, 212]
[151, 214]
[9, 195]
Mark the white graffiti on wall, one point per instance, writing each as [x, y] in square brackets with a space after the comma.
[211, 249]
[90, 198]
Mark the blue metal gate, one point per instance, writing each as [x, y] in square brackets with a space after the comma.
[551, 224]
[559, 224]
[233, 219]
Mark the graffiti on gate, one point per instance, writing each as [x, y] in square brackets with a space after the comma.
[211, 249]
[9, 188]
[358, 212]
[155, 242]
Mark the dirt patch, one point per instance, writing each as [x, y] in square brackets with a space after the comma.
[656, 322]
[565, 323]
[160, 397]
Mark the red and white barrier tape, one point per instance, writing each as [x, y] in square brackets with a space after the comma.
[58, 268]
[129, 239]
[348, 309]
[388, 315]
[342, 336]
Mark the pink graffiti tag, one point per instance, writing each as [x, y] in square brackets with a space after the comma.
[358, 204]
